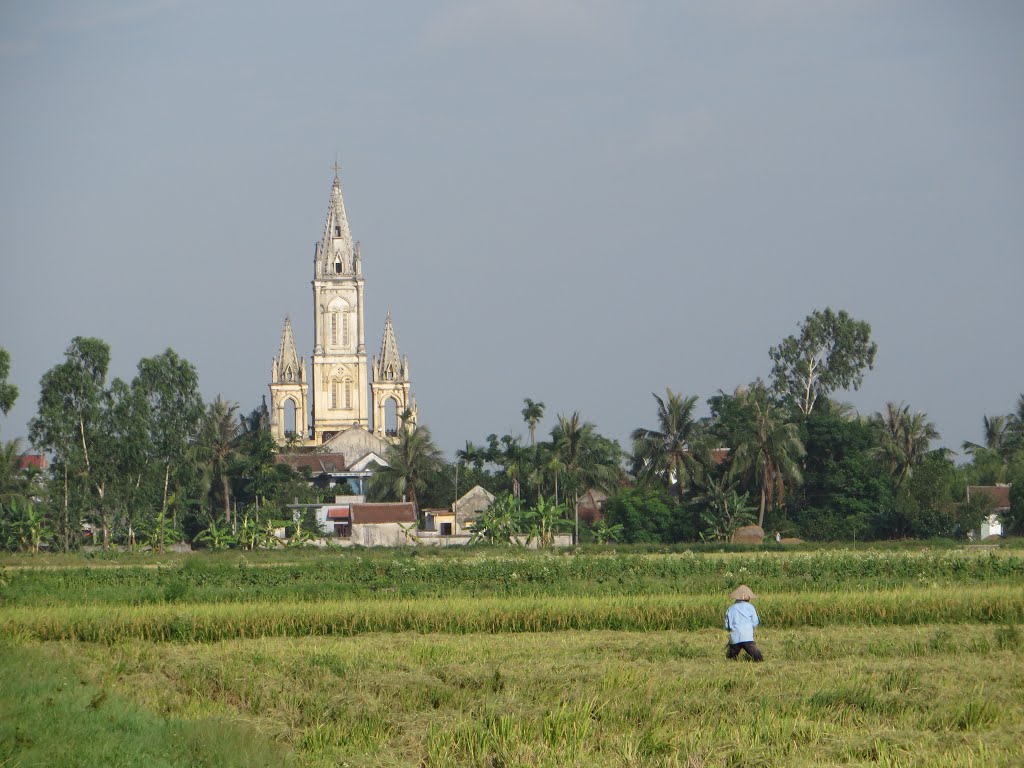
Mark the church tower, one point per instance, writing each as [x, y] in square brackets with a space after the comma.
[288, 390]
[340, 381]
[391, 388]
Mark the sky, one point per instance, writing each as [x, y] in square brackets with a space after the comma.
[582, 202]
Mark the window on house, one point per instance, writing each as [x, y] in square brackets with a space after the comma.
[343, 530]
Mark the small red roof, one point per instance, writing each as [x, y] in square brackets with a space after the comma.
[34, 460]
[1000, 494]
[338, 513]
[394, 512]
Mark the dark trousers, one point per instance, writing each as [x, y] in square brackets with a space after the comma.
[750, 647]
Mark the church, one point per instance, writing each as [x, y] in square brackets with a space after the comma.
[348, 406]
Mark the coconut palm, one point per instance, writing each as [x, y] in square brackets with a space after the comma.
[673, 452]
[217, 436]
[410, 460]
[903, 439]
[997, 434]
[532, 414]
[769, 454]
[587, 459]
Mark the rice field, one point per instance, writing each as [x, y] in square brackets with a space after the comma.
[892, 659]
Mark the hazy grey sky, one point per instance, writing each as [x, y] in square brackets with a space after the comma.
[578, 201]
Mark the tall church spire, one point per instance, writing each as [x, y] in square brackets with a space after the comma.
[335, 254]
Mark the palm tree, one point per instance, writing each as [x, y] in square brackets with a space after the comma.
[532, 414]
[671, 453]
[217, 436]
[997, 433]
[471, 455]
[769, 455]
[410, 460]
[903, 439]
[586, 458]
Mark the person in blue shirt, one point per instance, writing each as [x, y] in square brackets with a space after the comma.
[740, 620]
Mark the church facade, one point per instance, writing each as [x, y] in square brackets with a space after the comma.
[347, 403]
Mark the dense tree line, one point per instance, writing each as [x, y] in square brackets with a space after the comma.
[140, 462]
[783, 454]
[148, 462]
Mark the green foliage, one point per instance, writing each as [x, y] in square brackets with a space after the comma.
[673, 454]
[844, 492]
[411, 460]
[216, 535]
[830, 353]
[649, 515]
[8, 392]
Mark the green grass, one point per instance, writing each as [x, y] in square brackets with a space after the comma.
[380, 576]
[875, 658]
[52, 715]
[836, 696]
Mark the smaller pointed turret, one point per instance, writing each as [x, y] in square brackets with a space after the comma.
[393, 403]
[389, 364]
[288, 366]
[288, 391]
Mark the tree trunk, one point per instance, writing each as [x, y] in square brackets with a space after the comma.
[226, 487]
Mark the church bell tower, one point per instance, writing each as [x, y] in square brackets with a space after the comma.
[340, 381]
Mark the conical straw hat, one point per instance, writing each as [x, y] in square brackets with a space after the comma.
[742, 592]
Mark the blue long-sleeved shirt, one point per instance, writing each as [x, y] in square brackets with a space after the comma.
[740, 620]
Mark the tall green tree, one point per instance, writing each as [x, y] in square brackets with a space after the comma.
[411, 459]
[904, 438]
[217, 435]
[589, 460]
[769, 454]
[830, 352]
[673, 453]
[73, 422]
[8, 392]
[843, 492]
[532, 414]
[167, 388]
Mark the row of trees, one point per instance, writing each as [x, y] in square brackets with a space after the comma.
[148, 461]
[144, 461]
[783, 454]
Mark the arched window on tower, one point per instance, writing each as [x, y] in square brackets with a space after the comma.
[289, 416]
[344, 331]
[334, 329]
[347, 388]
[391, 416]
[288, 376]
[334, 394]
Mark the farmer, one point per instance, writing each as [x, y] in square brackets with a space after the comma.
[740, 620]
